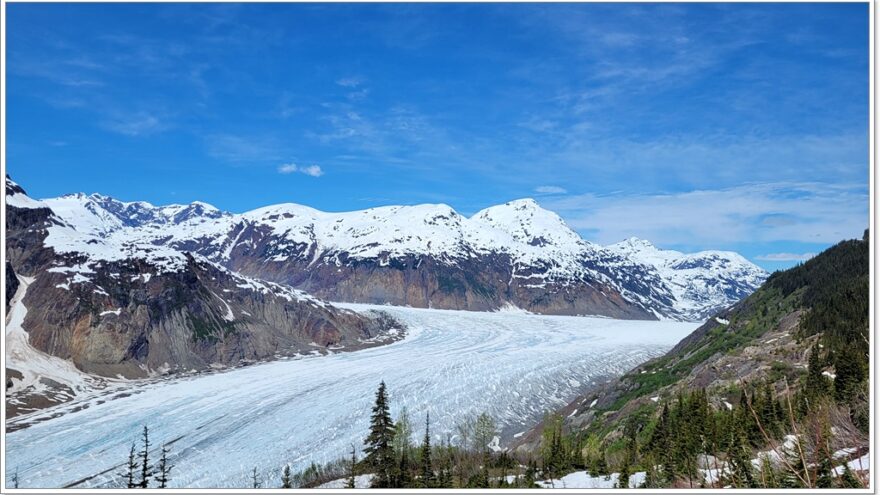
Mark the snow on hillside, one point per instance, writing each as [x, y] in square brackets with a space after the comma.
[702, 282]
[452, 363]
[35, 366]
[542, 249]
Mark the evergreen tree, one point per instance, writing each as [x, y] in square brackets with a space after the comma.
[380, 452]
[847, 479]
[427, 474]
[816, 385]
[146, 469]
[623, 476]
[530, 474]
[740, 462]
[351, 469]
[131, 467]
[849, 375]
[285, 477]
[404, 477]
[15, 479]
[164, 468]
[823, 473]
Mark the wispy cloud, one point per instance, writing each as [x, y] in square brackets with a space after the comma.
[244, 149]
[350, 82]
[310, 170]
[135, 125]
[785, 257]
[550, 190]
[799, 212]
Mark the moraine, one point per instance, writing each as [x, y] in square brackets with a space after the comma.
[515, 366]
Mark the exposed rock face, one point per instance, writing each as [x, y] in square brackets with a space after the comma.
[132, 315]
[430, 256]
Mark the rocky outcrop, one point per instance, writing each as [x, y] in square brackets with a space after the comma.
[133, 316]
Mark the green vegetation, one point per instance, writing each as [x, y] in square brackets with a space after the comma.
[673, 440]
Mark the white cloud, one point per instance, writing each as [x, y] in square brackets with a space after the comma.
[350, 82]
[785, 257]
[135, 125]
[800, 212]
[311, 170]
[550, 190]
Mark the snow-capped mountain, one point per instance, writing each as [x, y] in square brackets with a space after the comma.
[703, 283]
[426, 255]
[83, 287]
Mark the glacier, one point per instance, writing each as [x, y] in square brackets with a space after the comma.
[219, 426]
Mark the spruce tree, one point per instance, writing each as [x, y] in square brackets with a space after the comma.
[285, 477]
[165, 469]
[15, 479]
[146, 469]
[427, 474]
[132, 467]
[850, 373]
[404, 477]
[379, 450]
[816, 385]
[351, 469]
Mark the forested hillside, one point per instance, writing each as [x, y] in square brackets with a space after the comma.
[770, 393]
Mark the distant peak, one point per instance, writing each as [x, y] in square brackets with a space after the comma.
[637, 243]
[523, 203]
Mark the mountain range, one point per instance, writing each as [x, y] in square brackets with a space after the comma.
[128, 288]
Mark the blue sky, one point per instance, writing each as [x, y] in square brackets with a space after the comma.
[696, 126]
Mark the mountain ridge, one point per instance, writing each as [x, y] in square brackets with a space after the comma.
[532, 259]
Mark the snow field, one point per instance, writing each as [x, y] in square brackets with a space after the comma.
[514, 366]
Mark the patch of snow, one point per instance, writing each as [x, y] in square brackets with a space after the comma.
[582, 479]
[35, 365]
[362, 481]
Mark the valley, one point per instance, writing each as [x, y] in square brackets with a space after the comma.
[513, 365]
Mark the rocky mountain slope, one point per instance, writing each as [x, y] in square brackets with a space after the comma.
[813, 315]
[428, 256]
[114, 306]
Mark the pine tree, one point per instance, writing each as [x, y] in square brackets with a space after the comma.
[146, 469]
[351, 469]
[850, 373]
[165, 468]
[132, 467]
[427, 474]
[285, 477]
[404, 477]
[739, 460]
[816, 384]
[15, 479]
[379, 450]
